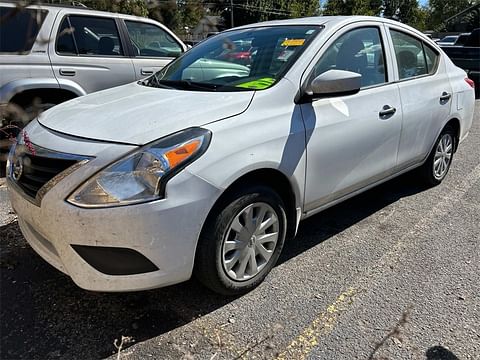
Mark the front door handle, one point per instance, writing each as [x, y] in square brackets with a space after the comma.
[67, 72]
[445, 97]
[146, 72]
[387, 112]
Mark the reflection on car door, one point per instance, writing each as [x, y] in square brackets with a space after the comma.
[88, 51]
[153, 47]
[426, 94]
[352, 140]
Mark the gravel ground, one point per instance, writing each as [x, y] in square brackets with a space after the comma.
[391, 274]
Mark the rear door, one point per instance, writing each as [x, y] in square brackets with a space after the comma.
[87, 50]
[425, 92]
[152, 46]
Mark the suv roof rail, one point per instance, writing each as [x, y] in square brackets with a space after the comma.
[71, 4]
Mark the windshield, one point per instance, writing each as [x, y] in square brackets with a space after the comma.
[238, 60]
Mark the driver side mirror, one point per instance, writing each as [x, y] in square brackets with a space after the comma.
[335, 82]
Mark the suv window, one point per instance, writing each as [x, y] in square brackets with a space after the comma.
[86, 35]
[151, 40]
[360, 51]
[19, 29]
[412, 60]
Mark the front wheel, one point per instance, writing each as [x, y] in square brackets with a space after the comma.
[436, 167]
[241, 241]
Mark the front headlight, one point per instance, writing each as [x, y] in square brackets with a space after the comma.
[141, 176]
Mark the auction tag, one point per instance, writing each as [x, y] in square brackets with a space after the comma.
[293, 42]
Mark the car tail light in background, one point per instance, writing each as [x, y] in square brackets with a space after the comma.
[470, 82]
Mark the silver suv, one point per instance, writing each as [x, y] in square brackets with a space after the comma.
[49, 54]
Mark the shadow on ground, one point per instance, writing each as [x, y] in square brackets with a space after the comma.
[439, 353]
[45, 315]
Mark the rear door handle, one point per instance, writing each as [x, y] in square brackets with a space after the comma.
[387, 112]
[445, 97]
[146, 71]
[67, 72]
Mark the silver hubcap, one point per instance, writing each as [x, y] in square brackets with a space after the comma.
[443, 156]
[250, 241]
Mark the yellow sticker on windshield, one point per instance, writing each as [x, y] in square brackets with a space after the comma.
[293, 42]
[258, 84]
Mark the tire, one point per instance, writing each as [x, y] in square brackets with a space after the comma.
[231, 240]
[441, 155]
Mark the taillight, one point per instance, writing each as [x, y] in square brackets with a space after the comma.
[470, 82]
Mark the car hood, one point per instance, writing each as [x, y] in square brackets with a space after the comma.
[137, 114]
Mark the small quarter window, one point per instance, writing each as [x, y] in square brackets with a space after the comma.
[19, 28]
[432, 58]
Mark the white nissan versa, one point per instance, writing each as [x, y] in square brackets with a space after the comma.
[140, 186]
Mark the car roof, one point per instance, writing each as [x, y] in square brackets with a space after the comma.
[319, 20]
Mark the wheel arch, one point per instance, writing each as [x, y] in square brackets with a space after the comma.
[272, 178]
[54, 95]
[11, 91]
[455, 124]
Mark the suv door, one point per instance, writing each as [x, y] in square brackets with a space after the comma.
[88, 50]
[352, 140]
[152, 46]
[425, 91]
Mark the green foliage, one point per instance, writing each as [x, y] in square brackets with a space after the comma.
[133, 7]
[179, 14]
[367, 7]
[405, 11]
[191, 12]
[441, 10]
[339, 7]
[165, 12]
[251, 11]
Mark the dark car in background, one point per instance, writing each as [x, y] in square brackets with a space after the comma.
[465, 53]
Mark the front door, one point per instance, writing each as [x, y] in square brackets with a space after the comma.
[352, 140]
[153, 47]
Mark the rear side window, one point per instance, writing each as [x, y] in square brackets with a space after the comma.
[19, 28]
[88, 35]
[411, 59]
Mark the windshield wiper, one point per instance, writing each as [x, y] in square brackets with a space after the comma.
[154, 82]
[189, 85]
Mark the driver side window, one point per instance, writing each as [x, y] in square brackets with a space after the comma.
[152, 41]
[360, 51]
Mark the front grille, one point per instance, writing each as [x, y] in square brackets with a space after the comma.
[38, 170]
[34, 170]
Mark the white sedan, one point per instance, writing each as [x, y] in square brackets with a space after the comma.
[143, 185]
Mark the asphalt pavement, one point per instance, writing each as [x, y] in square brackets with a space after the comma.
[393, 273]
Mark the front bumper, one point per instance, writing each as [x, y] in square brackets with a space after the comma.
[164, 231]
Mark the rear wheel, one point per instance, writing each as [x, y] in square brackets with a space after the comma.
[434, 170]
[241, 241]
